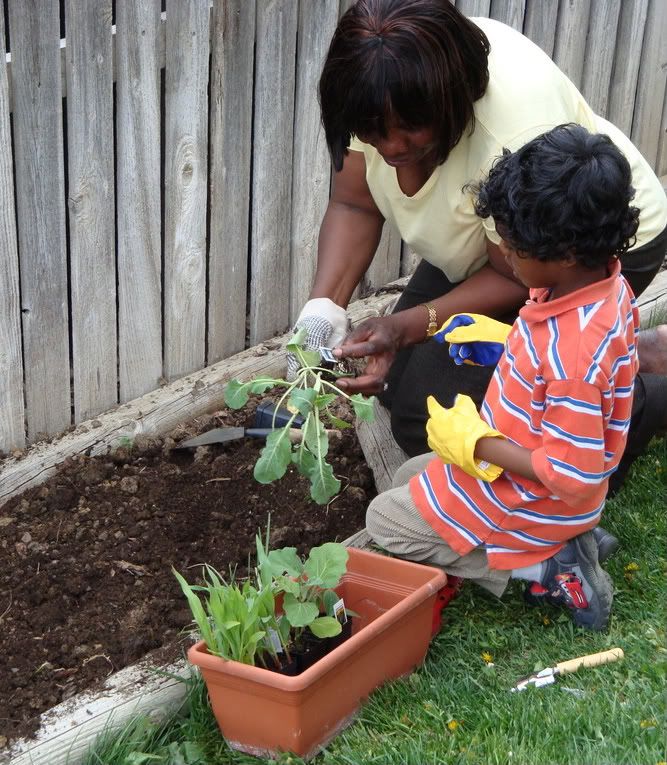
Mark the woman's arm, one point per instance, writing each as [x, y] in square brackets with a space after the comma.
[349, 234]
[491, 291]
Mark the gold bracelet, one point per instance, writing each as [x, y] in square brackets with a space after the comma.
[432, 320]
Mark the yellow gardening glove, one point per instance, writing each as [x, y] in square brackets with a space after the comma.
[453, 434]
[474, 339]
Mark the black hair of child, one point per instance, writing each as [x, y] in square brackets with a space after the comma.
[566, 192]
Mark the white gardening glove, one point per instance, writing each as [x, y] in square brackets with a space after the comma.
[326, 324]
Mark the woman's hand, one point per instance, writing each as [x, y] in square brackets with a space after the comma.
[379, 339]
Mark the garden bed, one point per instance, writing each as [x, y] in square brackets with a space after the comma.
[86, 557]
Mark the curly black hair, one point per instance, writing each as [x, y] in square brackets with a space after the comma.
[566, 192]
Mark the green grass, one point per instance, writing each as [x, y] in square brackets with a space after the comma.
[457, 708]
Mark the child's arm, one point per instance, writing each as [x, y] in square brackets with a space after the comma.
[506, 455]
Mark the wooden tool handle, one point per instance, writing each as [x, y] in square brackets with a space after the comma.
[296, 434]
[592, 660]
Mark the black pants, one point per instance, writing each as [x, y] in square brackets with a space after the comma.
[427, 369]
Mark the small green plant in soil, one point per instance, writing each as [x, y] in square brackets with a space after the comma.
[307, 587]
[241, 621]
[311, 394]
[235, 619]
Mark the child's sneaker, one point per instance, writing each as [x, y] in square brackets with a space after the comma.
[537, 594]
[574, 578]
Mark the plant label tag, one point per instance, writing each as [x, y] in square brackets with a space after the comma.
[339, 611]
[275, 641]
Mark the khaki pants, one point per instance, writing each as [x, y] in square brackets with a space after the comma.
[396, 525]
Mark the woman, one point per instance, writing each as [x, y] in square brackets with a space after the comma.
[417, 101]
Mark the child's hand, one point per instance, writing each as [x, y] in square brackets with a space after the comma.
[474, 339]
[453, 434]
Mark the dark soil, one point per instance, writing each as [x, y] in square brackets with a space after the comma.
[85, 559]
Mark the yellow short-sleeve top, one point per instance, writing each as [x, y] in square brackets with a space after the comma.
[526, 96]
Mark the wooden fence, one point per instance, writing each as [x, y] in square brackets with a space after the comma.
[163, 177]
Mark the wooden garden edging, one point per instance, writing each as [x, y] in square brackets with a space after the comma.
[68, 729]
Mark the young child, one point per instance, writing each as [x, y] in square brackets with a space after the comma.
[516, 491]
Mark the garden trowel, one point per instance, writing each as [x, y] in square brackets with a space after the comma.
[222, 435]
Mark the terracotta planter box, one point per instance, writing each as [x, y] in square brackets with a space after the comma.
[265, 713]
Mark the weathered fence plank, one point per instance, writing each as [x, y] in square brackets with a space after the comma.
[185, 179]
[12, 433]
[272, 168]
[230, 147]
[599, 58]
[570, 42]
[540, 24]
[510, 12]
[627, 56]
[138, 196]
[311, 166]
[647, 114]
[91, 205]
[661, 167]
[474, 7]
[40, 206]
[386, 263]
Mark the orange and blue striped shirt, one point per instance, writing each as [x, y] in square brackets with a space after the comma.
[563, 389]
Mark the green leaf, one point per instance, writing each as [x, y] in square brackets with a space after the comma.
[262, 384]
[285, 561]
[309, 358]
[326, 626]
[236, 394]
[304, 460]
[323, 483]
[299, 614]
[303, 399]
[274, 457]
[363, 407]
[325, 399]
[336, 422]
[287, 584]
[327, 563]
[297, 339]
[315, 438]
[329, 598]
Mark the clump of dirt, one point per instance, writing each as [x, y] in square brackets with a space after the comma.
[86, 558]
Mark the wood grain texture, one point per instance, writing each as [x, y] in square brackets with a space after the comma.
[386, 263]
[12, 433]
[311, 164]
[185, 179]
[383, 455]
[510, 12]
[230, 146]
[272, 168]
[40, 207]
[599, 58]
[661, 165]
[570, 42]
[138, 196]
[474, 7]
[647, 115]
[90, 138]
[629, 38]
[540, 24]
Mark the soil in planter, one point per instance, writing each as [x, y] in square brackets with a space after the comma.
[311, 650]
[85, 559]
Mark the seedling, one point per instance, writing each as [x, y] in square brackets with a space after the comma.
[235, 619]
[307, 587]
[311, 394]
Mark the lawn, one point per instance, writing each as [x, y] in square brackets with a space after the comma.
[457, 708]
